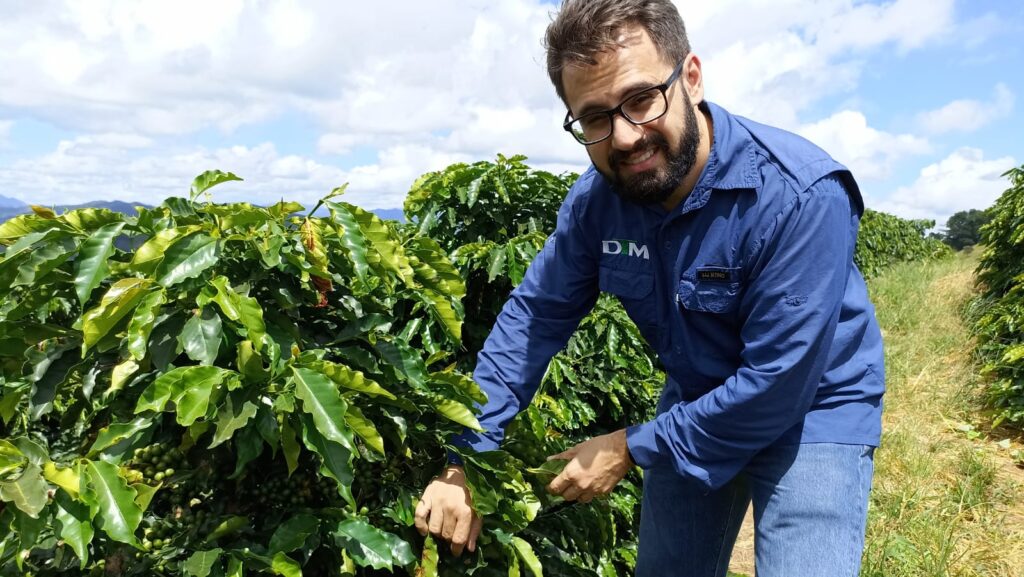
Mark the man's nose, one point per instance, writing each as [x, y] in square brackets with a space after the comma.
[625, 134]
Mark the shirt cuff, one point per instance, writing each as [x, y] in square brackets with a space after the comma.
[643, 444]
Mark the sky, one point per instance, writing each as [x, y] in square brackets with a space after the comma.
[129, 100]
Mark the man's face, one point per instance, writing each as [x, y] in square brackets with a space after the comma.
[644, 163]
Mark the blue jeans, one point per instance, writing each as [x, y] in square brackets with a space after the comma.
[810, 512]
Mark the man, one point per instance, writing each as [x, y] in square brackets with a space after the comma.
[730, 244]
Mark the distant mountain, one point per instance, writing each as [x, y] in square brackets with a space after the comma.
[7, 202]
[9, 210]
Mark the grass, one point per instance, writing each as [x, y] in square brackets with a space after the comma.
[944, 501]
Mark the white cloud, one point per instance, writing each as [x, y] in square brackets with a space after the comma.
[868, 152]
[968, 115]
[106, 167]
[5, 132]
[423, 83]
[961, 181]
[771, 60]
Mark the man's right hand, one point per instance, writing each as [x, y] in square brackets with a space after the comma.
[446, 510]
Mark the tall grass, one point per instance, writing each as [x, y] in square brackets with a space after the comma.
[939, 505]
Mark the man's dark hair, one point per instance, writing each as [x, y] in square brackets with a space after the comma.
[582, 29]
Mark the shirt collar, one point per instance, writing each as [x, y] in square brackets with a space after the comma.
[732, 162]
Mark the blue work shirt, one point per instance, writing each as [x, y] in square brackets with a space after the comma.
[747, 291]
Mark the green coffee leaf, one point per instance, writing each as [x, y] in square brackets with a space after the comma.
[112, 502]
[119, 300]
[208, 180]
[187, 258]
[75, 526]
[91, 265]
[291, 534]
[201, 562]
[320, 398]
[28, 492]
[365, 543]
[233, 416]
[202, 336]
[364, 428]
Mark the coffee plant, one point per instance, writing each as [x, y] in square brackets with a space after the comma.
[999, 310]
[494, 217]
[225, 389]
[245, 390]
[885, 240]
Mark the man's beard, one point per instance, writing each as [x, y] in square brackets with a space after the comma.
[656, 185]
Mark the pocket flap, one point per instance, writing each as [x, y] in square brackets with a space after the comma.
[624, 283]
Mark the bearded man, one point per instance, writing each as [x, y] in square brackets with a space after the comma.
[730, 244]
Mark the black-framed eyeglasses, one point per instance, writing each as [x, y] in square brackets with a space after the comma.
[638, 108]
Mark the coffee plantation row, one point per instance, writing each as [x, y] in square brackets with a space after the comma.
[999, 310]
[224, 389]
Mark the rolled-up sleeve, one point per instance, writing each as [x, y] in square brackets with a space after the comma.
[559, 289]
[789, 309]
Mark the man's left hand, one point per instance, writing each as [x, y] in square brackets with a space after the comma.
[595, 467]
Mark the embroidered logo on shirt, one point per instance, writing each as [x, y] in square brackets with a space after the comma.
[632, 248]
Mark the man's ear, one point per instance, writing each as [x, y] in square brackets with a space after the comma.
[693, 78]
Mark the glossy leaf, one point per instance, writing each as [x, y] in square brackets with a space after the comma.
[200, 563]
[457, 412]
[428, 559]
[406, 360]
[119, 301]
[187, 258]
[525, 552]
[241, 309]
[42, 262]
[112, 502]
[383, 243]
[351, 238]
[364, 428]
[201, 338]
[233, 416]
[28, 492]
[208, 180]
[320, 399]
[335, 458]
[285, 566]
[291, 534]
[75, 526]
[152, 252]
[113, 434]
[91, 219]
[365, 544]
[142, 322]
[350, 379]
[91, 265]
[188, 387]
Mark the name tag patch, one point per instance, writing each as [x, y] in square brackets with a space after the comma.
[718, 274]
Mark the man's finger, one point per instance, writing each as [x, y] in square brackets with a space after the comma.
[566, 454]
[474, 531]
[558, 484]
[571, 493]
[436, 520]
[422, 511]
[463, 525]
[448, 527]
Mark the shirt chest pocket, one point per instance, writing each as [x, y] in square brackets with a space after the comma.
[635, 291]
[709, 296]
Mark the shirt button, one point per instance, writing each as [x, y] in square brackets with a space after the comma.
[668, 245]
